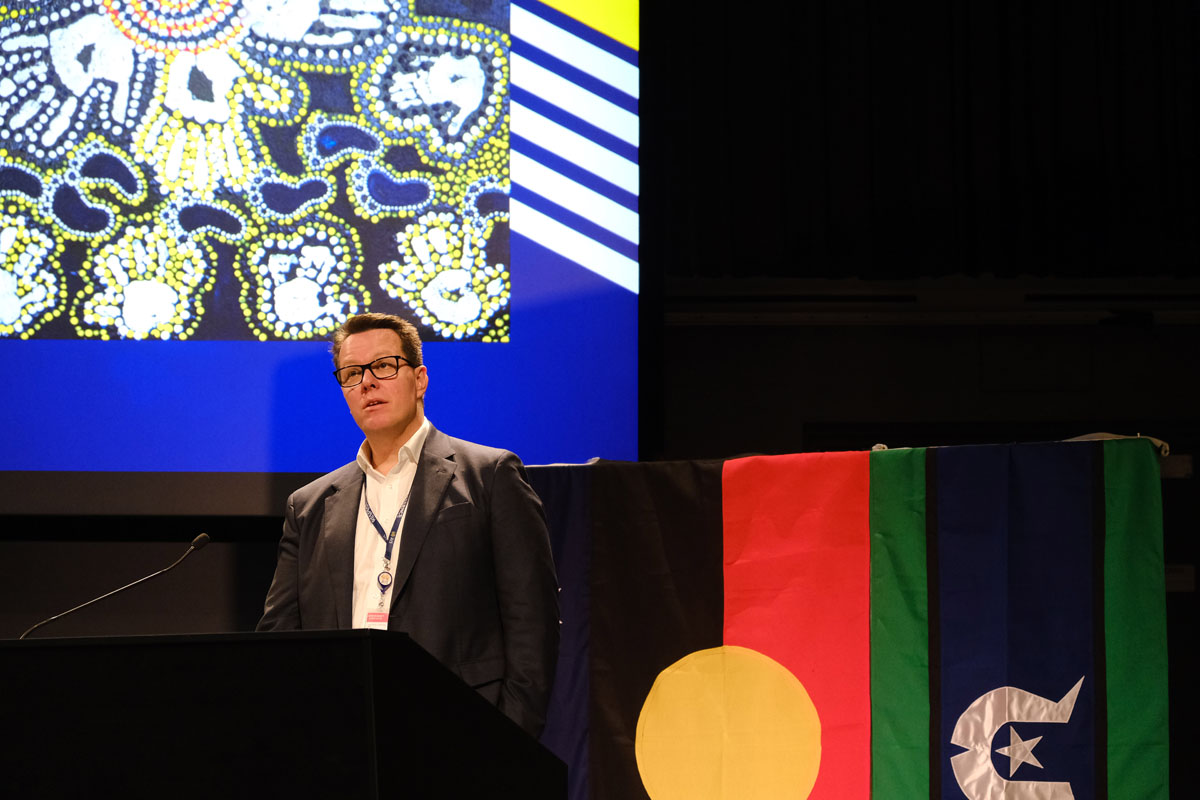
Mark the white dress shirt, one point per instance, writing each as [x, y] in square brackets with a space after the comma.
[385, 493]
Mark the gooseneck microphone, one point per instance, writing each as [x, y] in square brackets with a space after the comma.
[196, 544]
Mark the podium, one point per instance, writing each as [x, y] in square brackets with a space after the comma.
[315, 714]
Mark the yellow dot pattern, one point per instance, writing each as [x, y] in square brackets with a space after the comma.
[303, 283]
[444, 278]
[117, 252]
[144, 285]
[31, 292]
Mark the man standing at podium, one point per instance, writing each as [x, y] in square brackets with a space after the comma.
[440, 538]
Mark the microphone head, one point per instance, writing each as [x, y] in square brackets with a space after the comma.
[200, 541]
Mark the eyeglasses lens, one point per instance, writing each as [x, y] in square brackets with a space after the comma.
[381, 368]
[385, 367]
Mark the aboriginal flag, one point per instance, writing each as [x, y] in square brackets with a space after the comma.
[944, 623]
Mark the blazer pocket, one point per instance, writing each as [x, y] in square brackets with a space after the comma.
[454, 513]
[485, 670]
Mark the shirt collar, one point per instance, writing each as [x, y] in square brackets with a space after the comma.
[409, 451]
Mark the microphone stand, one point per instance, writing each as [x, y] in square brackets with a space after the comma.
[196, 544]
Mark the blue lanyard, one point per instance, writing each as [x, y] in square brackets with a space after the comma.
[388, 538]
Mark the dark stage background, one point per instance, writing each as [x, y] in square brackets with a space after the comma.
[901, 223]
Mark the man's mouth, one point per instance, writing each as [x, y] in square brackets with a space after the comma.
[372, 403]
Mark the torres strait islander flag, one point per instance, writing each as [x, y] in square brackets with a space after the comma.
[1018, 622]
[978, 622]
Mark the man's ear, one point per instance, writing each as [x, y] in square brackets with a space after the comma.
[422, 381]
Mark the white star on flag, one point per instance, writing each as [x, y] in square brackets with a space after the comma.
[1019, 751]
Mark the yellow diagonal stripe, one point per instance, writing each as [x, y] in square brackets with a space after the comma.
[615, 18]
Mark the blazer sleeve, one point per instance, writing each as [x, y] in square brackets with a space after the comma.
[527, 591]
[281, 610]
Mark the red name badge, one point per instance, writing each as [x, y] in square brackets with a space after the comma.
[377, 620]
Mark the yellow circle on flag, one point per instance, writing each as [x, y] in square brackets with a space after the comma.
[728, 723]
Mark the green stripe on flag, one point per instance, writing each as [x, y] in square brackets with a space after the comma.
[1135, 622]
[899, 626]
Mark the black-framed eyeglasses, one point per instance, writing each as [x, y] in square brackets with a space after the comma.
[383, 368]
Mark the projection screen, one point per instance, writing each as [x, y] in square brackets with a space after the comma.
[194, 195]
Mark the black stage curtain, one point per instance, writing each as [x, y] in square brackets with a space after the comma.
[858, 139]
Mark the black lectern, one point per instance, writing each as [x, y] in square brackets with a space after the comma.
[336, 714]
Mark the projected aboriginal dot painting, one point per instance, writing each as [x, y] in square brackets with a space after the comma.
[255, 170]
[194, 194]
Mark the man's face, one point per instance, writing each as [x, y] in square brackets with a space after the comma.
[391, 407]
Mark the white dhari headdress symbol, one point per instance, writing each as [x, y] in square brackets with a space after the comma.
[977, 726]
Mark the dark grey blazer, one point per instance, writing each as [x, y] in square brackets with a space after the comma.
[474, 584]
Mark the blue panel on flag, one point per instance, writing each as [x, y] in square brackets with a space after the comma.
[1015, 572]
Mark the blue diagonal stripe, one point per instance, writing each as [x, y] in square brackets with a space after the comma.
[576, 222]
[575, 172]
[574, 123]
[576, 76]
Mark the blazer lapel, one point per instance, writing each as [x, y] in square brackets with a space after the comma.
[340, 523]
[434, 471]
